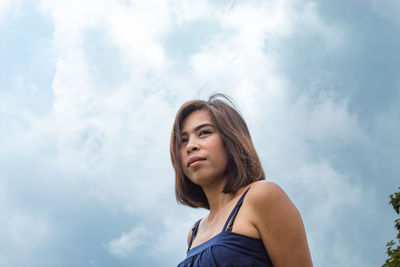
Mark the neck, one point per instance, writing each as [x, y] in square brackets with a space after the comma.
[216, 198]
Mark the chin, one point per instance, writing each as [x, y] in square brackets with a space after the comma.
[204, 180]
[199, 179]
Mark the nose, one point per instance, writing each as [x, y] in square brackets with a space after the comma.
[191, 145]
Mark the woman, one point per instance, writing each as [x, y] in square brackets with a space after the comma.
[251, 222]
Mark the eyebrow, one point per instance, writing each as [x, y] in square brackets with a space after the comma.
[199, 127]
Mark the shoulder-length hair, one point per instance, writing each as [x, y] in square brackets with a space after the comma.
[244, 166]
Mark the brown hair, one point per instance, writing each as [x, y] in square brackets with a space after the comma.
[244, 166]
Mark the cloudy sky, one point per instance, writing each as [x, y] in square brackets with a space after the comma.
[89, 90]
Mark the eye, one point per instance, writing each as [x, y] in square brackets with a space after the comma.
[183, 140]
[204, 132]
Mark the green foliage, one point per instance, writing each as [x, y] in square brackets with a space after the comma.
[394, 253]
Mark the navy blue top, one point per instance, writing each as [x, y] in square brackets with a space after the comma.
[227, 248]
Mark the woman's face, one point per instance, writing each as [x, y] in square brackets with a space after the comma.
[203, 154]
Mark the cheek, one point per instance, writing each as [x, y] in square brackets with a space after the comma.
[183, 158]
[217, 148]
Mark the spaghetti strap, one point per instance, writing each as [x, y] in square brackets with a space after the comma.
[230, 219]
[234, 212]
[194, 231]
[227, 248]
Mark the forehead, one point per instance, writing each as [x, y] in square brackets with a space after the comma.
[195, 119]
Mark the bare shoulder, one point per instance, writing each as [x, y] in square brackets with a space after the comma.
[267, 194]
[279, 224]
[264, 185]
[271, 208]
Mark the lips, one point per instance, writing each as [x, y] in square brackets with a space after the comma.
[193, 159]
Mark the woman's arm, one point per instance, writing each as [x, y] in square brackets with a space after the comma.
[279, 224]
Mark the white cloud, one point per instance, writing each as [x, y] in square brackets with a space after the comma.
[176, 224]
[26, 229]
[387, 8]
[112, 141]
[329, 190]
[334, 36]
[128, 242]
[5, 5]
[119, 136]
[22, 231]
[322, 118]
[137, 31]
[4, 261]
